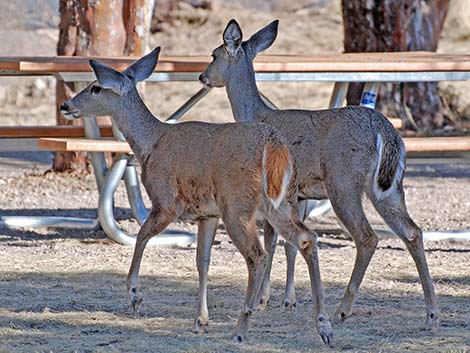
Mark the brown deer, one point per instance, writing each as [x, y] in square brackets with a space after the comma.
[201, 171]
[340, 154]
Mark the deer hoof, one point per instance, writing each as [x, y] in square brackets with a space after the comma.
[136, 302]
[263, 303]
[200, 324]
[432, 321]
[289, 305]
[342, 315]
[238, 339]
[326, 331]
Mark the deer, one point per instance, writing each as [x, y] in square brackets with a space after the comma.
[340, 154]
[203, 172]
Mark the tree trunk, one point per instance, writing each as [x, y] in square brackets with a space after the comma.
[97, 28]
[137, 19]
[398, 25]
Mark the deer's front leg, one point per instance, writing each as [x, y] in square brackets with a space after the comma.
[205, 236]
[323, 324]
[155, 223]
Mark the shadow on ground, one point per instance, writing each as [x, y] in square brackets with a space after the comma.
[89, 312]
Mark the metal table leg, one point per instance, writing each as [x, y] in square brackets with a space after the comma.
[188, 104]
[109, 224]
[134, 195]
[15, 222]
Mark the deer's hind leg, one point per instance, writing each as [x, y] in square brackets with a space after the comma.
[291, 253]
[391, 206]
[205, 236]
[241, 228]
[270, 241]
[285, 221]
[157, 220]
[345, 197]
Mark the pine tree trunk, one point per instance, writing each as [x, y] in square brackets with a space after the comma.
[391, 26]
[97, 28]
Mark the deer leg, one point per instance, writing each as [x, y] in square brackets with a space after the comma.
[393, 210]
[289, 298]
[270, 241]
[291, 254]
[348, 208]
[245, 238]
[323, 324]
[205, 237]
[154, 224]
[296, 233]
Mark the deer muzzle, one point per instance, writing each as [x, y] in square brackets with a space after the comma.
[69, 112]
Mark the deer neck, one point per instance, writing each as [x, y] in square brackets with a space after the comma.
[244, 96]
[139, 126]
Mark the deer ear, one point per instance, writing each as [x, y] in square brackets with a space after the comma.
[264, 38]
[109, 78]
[233, 37]
[144, 67]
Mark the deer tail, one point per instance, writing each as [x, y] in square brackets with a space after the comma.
[390, 165]
[277, 171]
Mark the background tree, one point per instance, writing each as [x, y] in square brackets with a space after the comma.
[98, 28]
[391, 26]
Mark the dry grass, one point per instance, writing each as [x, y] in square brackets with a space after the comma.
[64, 290]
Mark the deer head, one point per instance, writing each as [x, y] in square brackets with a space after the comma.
[235, 55]
[111, 89]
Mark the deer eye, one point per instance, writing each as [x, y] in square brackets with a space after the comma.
[95, 89]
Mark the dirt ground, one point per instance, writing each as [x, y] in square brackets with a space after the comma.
[64, 290]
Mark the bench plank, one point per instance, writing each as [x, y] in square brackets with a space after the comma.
[437, 144]
[83, 145]
[49, 131]
[412, 144]
[396, 122]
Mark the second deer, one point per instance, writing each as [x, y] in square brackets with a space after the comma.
[340, 154]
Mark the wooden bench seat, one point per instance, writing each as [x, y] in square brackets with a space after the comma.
[413, 144]
[437, 144]
[49, 131]
[83, 145]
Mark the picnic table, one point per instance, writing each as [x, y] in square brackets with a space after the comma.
[372, 68]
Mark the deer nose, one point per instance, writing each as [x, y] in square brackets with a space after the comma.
[204, 80]
[64, 107]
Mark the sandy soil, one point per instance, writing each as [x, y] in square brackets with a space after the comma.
[64, 290]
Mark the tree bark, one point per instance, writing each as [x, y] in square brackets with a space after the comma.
[391, 26]
[97, 28]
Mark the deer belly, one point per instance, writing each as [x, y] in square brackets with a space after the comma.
[315, 191]
[194, 211]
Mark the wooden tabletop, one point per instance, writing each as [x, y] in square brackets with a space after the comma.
[355, 62]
